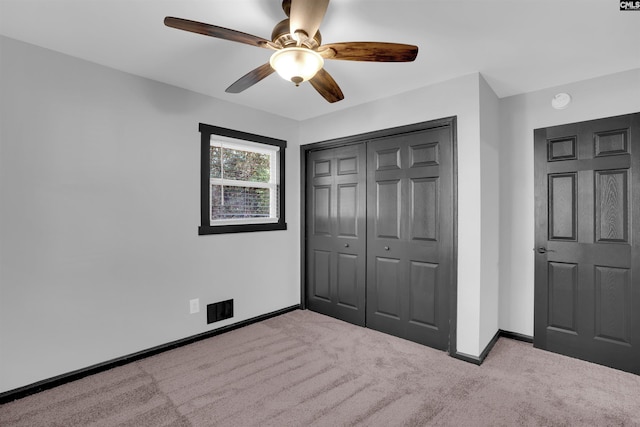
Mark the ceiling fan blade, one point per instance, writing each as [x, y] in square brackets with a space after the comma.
[215, 31]
[251, 78]
[326, 86]
[369, 51]
[306, 15]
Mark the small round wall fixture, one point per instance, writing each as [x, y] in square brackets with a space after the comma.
[561, 101]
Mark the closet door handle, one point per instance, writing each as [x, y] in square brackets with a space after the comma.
[346, 245]
[386, 248]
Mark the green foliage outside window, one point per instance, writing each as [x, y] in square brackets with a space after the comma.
[239, 165]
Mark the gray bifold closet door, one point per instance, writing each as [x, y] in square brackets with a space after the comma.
[380, 233]
[409, 236]
[336, 232]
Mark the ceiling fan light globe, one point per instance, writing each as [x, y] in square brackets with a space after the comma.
[296, 64]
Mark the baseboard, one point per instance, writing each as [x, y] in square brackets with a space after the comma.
[477, 360]
[467, 358]
[516, 336]
[49, 383]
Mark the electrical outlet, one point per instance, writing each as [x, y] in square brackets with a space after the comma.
[194, 306]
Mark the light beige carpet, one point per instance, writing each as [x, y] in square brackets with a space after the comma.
[305, 369]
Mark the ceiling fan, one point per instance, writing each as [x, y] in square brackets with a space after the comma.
[299, 53]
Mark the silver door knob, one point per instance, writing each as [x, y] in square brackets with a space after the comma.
[386, 248]
[346, 245]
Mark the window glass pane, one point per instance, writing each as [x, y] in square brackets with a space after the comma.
[216, 201]
[229, 202]
[214, 162]
[246, 165]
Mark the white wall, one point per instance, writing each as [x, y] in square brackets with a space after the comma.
[457, 97]
[99, 193]
[606, 96]
[490, 213]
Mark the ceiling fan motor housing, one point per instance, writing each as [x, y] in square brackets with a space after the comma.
[283, 37]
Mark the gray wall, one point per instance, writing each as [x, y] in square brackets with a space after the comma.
[490, 213]
[99, 193]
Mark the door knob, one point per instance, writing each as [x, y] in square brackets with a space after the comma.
[543, 250]
[386, 248]
[346, 245]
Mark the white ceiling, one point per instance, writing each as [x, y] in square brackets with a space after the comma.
[518, 45]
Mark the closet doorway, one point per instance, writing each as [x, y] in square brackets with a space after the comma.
[380, 223]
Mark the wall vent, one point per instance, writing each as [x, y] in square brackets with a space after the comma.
[219, 311]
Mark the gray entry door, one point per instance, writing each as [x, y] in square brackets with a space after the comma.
[587, 269]
[336, 232]
[410, 235]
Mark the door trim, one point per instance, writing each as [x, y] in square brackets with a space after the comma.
[363, 137]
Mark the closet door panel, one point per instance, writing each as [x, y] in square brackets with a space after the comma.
[336, 232]
[410, 204]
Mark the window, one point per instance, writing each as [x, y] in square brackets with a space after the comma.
[242, 181]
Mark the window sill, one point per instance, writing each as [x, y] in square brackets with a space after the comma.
[240, 228]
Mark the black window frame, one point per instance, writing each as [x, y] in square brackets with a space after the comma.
[205, 209]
